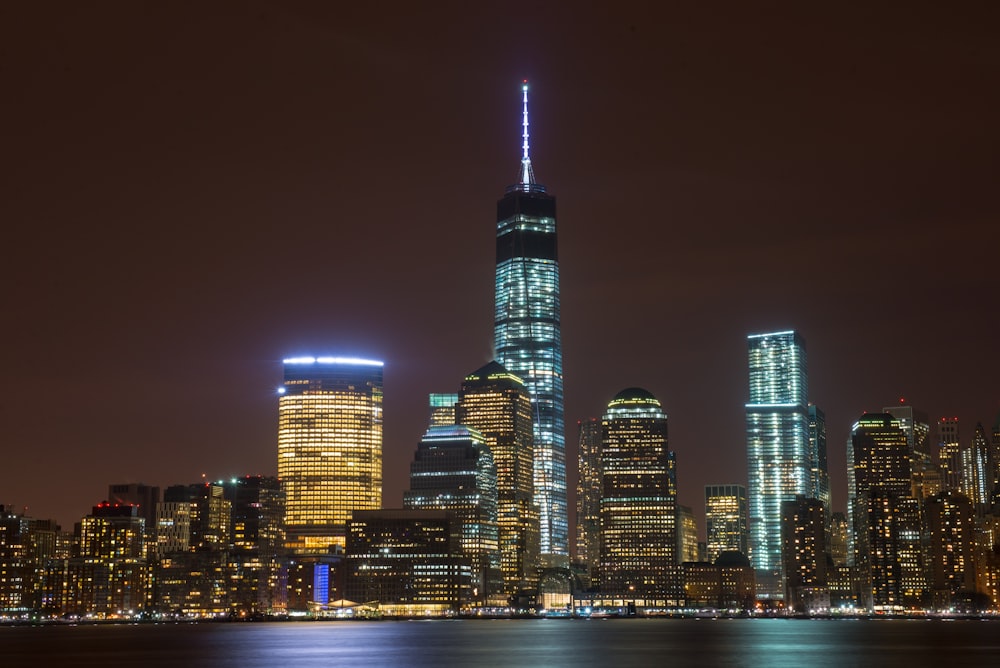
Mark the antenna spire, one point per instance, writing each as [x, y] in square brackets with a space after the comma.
[527, 174]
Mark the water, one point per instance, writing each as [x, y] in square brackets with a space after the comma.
[621, 643]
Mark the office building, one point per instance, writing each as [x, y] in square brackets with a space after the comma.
[950, 524]
[726, 520]
[256, 535]
[949, 453]
[639, 558]
[821, 469]
[687, 535]
[588, 496]
[780, 456]
[885, 517]
[453, 470]
[442, 409]
[976, 482]
[406, 562]
[527, 336]
[495, 403]
[804, 550]
[916, 425]
[329, 447]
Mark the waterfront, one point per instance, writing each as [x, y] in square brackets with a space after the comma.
[556, 643]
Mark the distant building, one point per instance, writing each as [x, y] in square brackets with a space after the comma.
[976, 483]
[406, 562]
[781, 460]
[442, 409]
[726, 520]
[495, 403]
[453, 470]
[950, 454]
[329, 447]
[588, 495]
[26, 545]
[144, 496]
[950, 523]
[821, 468]
[728, 584]
[256, 580]
[838, 539]
[639, 557]
[885, 517]
[687, 534]
[803, 548]
[110, 577]
[916, 425]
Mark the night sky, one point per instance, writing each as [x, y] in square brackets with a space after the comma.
[193, 191]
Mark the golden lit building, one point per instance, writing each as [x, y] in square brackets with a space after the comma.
[329, 447]
[588, 496]
[639, 557]
[495, 402]
[726, 520]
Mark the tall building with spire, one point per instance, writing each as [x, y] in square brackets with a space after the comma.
[527, 335]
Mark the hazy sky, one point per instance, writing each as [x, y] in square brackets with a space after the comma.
[193, 191]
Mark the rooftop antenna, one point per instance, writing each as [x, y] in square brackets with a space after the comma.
[527, 175]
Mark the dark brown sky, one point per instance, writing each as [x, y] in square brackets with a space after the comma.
[192, 191]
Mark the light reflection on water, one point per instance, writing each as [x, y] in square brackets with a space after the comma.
[557, 643]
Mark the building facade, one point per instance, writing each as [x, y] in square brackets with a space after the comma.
[639, 557]
[726, 520]
[329, 447]
[495, 403]
[453, 470]
[780, 456]
[527, 336]
[588, 496]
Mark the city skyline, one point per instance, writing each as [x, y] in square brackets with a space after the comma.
[190, 215]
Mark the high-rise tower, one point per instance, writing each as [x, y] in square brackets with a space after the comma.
[329, 447]
[495, 402]
[780, 456]
[639, 500]
[527, 338]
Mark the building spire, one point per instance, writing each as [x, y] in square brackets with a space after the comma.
[527, 174]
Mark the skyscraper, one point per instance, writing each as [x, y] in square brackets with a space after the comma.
[821, 470]
[329, 447]
[453, 470]
[442, 409]
[527, 335]
[949, 453]
[780, 457]
[885, 517]
[976, 475]
[495, 402]
[588, 495]
[638, 501]
[726, 520]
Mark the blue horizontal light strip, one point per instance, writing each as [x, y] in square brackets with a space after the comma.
[332, 360]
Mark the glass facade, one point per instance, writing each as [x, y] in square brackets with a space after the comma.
[781, 459]
[639, 500]
[329, 447]
[528, 341]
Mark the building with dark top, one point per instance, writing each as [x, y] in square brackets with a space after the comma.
[453, 470]
[406, 562]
